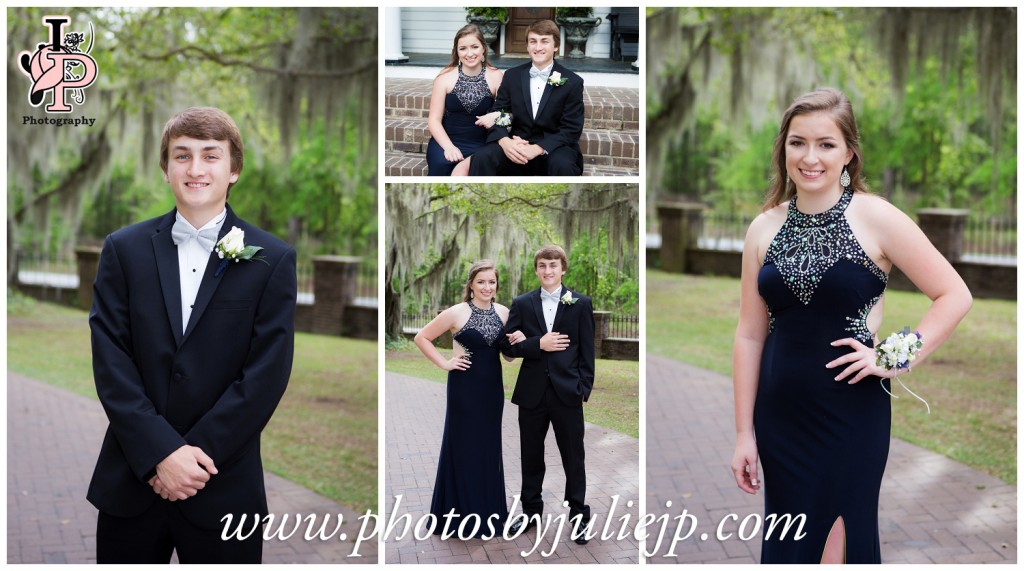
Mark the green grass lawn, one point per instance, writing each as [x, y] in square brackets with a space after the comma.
[970, 382]
[323, 435]
[614, 403]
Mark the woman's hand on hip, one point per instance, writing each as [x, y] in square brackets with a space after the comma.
[862, 360]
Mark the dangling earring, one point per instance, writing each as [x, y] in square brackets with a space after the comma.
[844, 179]
[787, 179]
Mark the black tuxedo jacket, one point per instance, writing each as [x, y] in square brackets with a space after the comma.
[571, 371]
[559, 121]
[215, 386]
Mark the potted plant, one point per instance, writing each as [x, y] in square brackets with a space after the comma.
[577, 23]
[489, 20]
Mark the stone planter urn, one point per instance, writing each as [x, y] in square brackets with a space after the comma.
[577, 29]
[489, 27]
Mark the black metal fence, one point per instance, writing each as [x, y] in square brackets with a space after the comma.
[990, 236]
[624, 326]
[366, 279]
[43, 269]
[984, 236]
[723, 231]
[63, 271]
[417, 321]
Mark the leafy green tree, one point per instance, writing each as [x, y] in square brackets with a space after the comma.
[933, 90]
[434, 232]
[300, 83]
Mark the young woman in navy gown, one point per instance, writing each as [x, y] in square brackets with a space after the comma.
[470, 474]
[460, 102]
[811, 403]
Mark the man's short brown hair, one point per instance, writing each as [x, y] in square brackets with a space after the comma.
[545, 28]
[204, 123]
[551, 252]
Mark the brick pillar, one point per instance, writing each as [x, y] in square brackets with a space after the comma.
[945, 228]
[334, 288]
[680, 228]
[87, 258]
[601, 319]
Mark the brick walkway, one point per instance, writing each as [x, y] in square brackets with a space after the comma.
[932, 509]
[53, 437]
[414, 422]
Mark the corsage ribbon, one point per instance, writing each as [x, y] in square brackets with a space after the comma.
[895, 353]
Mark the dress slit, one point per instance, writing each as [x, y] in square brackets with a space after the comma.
[841, 537]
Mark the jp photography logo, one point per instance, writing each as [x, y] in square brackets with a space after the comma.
[62, 69]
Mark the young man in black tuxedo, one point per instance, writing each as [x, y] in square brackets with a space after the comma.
[546, 103]
[555, 379]
[191, 355]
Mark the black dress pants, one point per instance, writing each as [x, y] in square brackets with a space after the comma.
[162, 529]
[567, 422]
[490, 160]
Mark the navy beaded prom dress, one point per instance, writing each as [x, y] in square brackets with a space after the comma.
[470, 475]
[470, 97]
[823, 444]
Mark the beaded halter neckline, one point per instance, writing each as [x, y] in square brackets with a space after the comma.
[808, 245]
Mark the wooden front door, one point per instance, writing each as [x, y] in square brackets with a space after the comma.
[519, 19]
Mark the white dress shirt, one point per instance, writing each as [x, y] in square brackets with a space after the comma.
[550, 307]
[192, 260]
[537, 85]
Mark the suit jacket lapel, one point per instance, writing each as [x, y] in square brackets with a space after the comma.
[548, 88]
[560, 311]
[527, 100]
[538, 309]
[209, 284]
[167, 267]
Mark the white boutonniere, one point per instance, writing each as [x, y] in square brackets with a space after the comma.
[232, 248]
[568, 299]
[556, 79]
[503, 119]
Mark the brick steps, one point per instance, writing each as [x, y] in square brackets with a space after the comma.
[399, 163]
[610, 142]
[599, 147]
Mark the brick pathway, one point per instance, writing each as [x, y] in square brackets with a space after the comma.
[414, 419]
[53, 437]
[932, 509]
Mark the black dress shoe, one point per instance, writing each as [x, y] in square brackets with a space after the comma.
[520, 526]
[579, 534]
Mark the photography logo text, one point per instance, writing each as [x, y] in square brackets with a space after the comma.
[63, 68]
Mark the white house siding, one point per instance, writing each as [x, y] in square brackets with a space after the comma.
[431, 30]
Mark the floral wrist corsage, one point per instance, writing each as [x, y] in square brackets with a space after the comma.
[503, 119]
[899, 349]
[897, 352]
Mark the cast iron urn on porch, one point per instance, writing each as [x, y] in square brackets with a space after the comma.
[577, 29]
